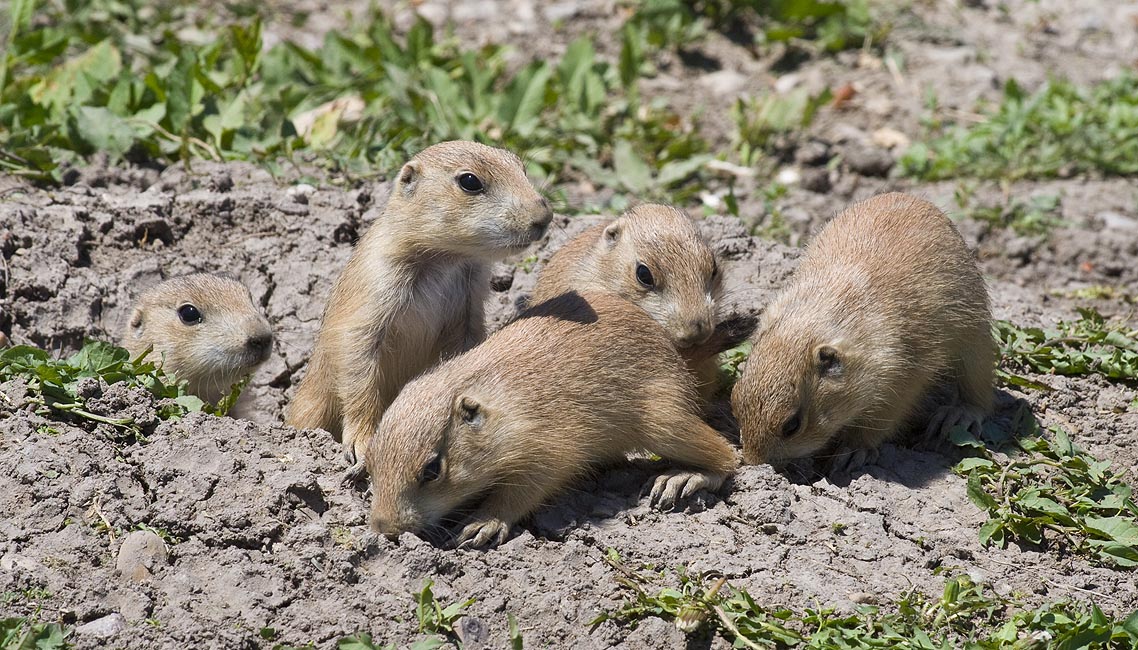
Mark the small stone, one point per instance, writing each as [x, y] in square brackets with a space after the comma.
[109, 625]
[561, 11]
[502, 277]
[472, 632]
[789, 176]
[1019, 248]
[868, 160]
[300, 192]
[723, 82]
[812, 153]
[221, 182]
[863, 598]
[888, 138]
[1116, 221]
[816, 179]
[141, 554]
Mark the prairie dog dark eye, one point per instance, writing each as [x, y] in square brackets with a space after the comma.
[470, 183]
[189, 315]
[792, 424]
[644, 275]
[432, 470]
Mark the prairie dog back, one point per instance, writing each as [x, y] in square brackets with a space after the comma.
[887, 305]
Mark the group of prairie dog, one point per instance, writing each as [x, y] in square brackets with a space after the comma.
[884, 327]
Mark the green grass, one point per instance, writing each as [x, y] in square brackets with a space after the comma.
[1060, 130]
[1088, 346]
[822, 25]
[23, 634]
[1037, 215]
[761, 121]
[53, 385]
[1049, 493]
[74, 84]
[965, 615]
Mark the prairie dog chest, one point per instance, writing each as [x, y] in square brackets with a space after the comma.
[437, 302]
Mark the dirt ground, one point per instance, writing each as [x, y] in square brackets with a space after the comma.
[264, 534]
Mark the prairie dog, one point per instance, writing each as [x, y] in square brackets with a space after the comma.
[204, 329]
[886, 306]
[653, 256]
[414, 288]
[572, 383]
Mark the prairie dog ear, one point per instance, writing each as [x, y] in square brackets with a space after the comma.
[611, 234]
[409, 177]
[470, 411]
[829, 359]
[136, 322]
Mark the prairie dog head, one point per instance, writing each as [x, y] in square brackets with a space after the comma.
[654, 256]
[434, 451]
[801, 385]
[470, 199]
[204, 329]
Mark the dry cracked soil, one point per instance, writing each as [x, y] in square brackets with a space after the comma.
[260, 529]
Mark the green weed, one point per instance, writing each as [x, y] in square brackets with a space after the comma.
[1098, 292]
[761, 120]
[1059, 130]
[434, 618]
[1087, 346]
[361, 103]
[1038, 215]
[53, 384]
[22, 634]
[965, 615]
[731, 361]
[1049, 492]
[824, 25]
[360, 641]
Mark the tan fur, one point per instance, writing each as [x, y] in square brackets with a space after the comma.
[414, 288]
[687, 282]
[573, 383]
[887, 305]
[232, 339]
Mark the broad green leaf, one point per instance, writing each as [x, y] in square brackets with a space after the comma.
[522, 105]
[1119, 529]
[104, 131]
[632, 172]
[76, 80]
[978, 495]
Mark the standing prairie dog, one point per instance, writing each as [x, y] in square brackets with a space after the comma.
[653, 256]
[414, 288]
[204, 330]
[886, 307]
[572, 383]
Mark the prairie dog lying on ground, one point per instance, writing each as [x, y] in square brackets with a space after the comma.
[573, 383]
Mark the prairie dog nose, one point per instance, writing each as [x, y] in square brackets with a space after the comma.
[694, 332]
[260, 344]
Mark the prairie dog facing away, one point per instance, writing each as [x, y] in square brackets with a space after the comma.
[886, 306]
[572, 383]
[654, 256]
[204, 329]
[413, 290]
